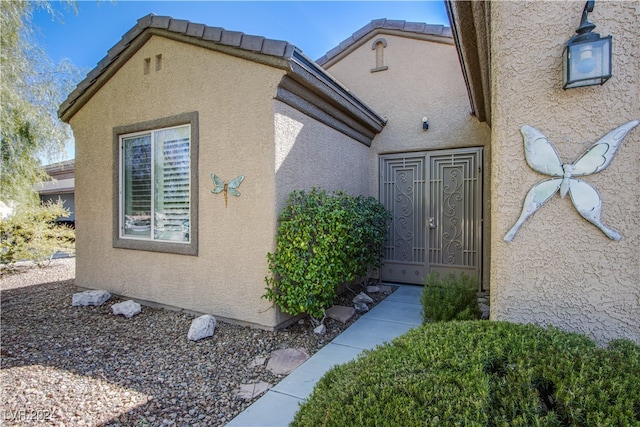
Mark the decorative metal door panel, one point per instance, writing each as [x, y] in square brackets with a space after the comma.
[402, 191]
[436, 203]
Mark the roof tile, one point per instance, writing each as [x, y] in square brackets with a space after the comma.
[231, 38]
[130, 35]
[252, 43]
[145, 21]
[417, 27]
[394, 24]
[160, 21]
[434, 29]
[346, 43]
[333, 52]
[378, 23]
[212, 33]
[178, 25]
[274, 47]
[195, 30]
[363, 31]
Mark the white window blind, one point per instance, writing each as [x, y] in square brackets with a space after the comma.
[156, 194]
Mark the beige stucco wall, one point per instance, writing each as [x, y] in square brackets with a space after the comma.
[310, 154]
[560, 269]
[233, 98]
[423, 78]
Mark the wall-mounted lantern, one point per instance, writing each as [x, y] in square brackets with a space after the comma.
[425, 124]
[586, 59]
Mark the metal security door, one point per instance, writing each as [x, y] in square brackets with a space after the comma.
[436, 203]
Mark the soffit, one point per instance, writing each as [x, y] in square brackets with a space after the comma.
[471, 25]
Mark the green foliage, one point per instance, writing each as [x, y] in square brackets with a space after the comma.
[481, 374]
[33, 234]
[450, 297]
[31, 88]
[323, 241]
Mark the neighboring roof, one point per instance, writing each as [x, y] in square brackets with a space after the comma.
[62, 180]
[419, 30]
[309, 79]
[60, 168]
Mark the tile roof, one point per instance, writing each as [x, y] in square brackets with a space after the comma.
[417, 28]
[275, 53]
[220, 36]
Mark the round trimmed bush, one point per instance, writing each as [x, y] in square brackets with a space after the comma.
[481, 374]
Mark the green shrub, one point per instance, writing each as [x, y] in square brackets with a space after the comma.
[450, 297]
[323, 241]
[481, 374]
[32, 234]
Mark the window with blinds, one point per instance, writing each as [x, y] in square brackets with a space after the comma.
[156, 185]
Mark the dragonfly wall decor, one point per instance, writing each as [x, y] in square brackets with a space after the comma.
[542, 157]
[231, 187]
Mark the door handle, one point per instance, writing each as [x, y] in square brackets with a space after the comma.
[432, 223]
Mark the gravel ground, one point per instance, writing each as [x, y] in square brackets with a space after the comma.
[83, 366]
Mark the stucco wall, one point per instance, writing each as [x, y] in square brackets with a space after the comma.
[233, 98]
[560, 269]
[423, 78]
[310, 154]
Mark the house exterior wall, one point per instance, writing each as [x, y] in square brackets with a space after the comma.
[310, 154]
[560, 269]
[423, 78]
[233, 99]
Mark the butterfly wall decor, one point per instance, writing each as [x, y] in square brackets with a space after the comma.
[221, 187]
[542, 157]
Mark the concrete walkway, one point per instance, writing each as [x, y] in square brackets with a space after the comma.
[392, 317]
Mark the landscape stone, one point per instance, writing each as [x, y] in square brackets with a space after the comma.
[372, 289]
[320, 329]
[385, 288]
[486, 310]
[127, 308]
[362, 297]
[283, 362]
[361, 307]
[249, 391]
[202, 327]
[94, 297]
[258, 361]
[340, 313]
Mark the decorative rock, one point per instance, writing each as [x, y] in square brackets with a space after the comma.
[249, 391]
[320, 329]
[362, 297]
[282, 362]
[386, 289]
[90, 298]
[340, 313]
[258, 361]
[128, 308]
[372, 289]
[361, 307]
[486, 311]
[202, 327]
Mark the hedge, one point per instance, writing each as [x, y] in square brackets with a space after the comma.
[473, 373]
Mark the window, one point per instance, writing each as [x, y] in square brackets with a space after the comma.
[156, 187]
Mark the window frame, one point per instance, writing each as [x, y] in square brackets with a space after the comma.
[146, 244]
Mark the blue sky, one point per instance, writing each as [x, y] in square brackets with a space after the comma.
[313, 26]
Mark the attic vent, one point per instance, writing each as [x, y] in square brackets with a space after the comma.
[158, 62]
[147, 65]
[379, 45]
